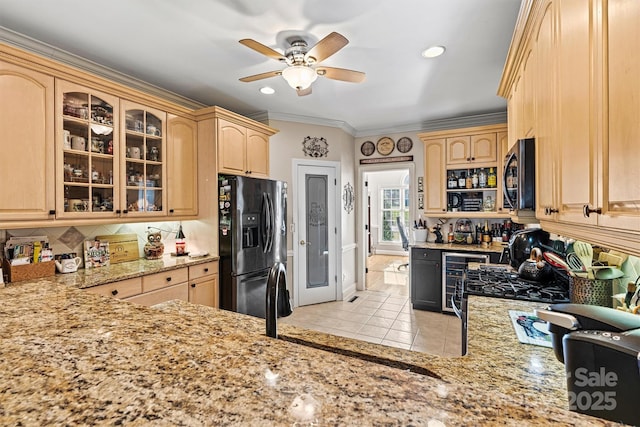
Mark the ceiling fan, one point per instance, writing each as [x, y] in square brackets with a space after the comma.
[302, 69]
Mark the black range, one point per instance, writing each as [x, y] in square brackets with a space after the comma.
[502, 282]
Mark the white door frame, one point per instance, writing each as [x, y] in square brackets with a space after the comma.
[361, 219]
[337, 257]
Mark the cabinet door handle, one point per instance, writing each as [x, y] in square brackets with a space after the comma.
[125, 211]
[52, 212]
[168, 279]
[114, 292]
[170, 210]
[473, 159]
[586, 211]
[118, 211]
[206, 270]
[193, 285]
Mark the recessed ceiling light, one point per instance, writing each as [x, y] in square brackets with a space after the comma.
[267, 90]
[433, 51]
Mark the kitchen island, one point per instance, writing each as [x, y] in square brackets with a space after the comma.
[72, 357]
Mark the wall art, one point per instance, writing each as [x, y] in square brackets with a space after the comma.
[315, 147]
[420, 184]
[404, 144]
[348, 197]
[420, 200]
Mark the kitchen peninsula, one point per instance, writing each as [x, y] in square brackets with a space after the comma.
[69, 356]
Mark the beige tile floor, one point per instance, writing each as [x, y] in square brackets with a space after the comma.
[382, 314]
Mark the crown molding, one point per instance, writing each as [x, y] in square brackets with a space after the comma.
[29, 44]
[426, 126]
[266, 116]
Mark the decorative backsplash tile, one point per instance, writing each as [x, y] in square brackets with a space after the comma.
[200, 235]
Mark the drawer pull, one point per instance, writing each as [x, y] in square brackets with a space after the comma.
[206, 270]
[114, 292]
[168, 279]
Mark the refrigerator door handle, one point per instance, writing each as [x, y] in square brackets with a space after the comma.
[267, 223]
[271, 221]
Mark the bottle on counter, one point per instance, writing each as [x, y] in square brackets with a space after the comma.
[492, 179]
[450, 237]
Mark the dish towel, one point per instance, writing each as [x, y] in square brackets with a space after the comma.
[530, 329]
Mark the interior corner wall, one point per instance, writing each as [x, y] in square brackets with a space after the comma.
[287, 145]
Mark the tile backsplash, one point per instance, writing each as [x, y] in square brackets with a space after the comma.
[199, 235]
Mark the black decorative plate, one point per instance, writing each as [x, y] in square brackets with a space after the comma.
[367, 148]
[385, 146]
[404, 144]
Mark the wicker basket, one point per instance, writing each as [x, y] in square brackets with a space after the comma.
[18, 273]
[591, 291]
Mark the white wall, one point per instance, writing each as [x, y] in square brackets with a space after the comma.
[285, 146]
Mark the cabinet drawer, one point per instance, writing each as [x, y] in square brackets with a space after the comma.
[156, 281]
[201, 270]
[179, 291]
[121, 289]
[425, 254]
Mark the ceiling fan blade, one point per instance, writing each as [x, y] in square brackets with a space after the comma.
[327, 47]
[304, 92]
[260, 76]
[265, 50]
[341, 74]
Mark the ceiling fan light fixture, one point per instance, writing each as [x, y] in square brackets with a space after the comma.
[299, 77]
[267, 90]
[433, 51]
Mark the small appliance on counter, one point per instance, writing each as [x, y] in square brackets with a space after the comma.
[522, 243]
[600, 348]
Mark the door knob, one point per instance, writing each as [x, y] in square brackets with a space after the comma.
[302, 243]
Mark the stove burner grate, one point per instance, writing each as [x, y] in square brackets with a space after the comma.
[500, 282]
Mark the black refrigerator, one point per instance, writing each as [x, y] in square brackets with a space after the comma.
[252, 237]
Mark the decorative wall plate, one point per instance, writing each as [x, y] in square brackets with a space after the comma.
[315, 147]
[367, 148]
[404, 144]
[385, 146]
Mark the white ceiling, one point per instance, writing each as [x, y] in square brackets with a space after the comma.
[191, 47]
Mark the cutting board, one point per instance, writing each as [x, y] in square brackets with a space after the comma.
[122, 247]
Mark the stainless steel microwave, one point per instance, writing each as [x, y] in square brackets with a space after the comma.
[519, 182]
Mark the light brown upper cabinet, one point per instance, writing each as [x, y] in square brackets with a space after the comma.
[241, 150]
[586, 55]
[27, 192]
[143, 166]
[452, 155]
[182, 166]
[87, 150]
[472, 149]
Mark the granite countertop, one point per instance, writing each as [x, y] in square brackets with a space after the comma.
[456, 247]
[495, 359]
[88, 277]
[72, 357]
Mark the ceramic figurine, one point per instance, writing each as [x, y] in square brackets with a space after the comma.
[154, 248]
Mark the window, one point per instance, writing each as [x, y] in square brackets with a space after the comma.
[394, 203]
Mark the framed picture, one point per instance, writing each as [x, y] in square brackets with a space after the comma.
[420, 184]
[96, 253]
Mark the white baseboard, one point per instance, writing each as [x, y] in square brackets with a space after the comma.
[349, 291]
[390, 252]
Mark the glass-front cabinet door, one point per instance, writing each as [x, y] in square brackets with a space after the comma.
[87, 147]
[143, 167]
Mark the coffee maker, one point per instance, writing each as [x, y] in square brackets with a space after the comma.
[600, 348]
